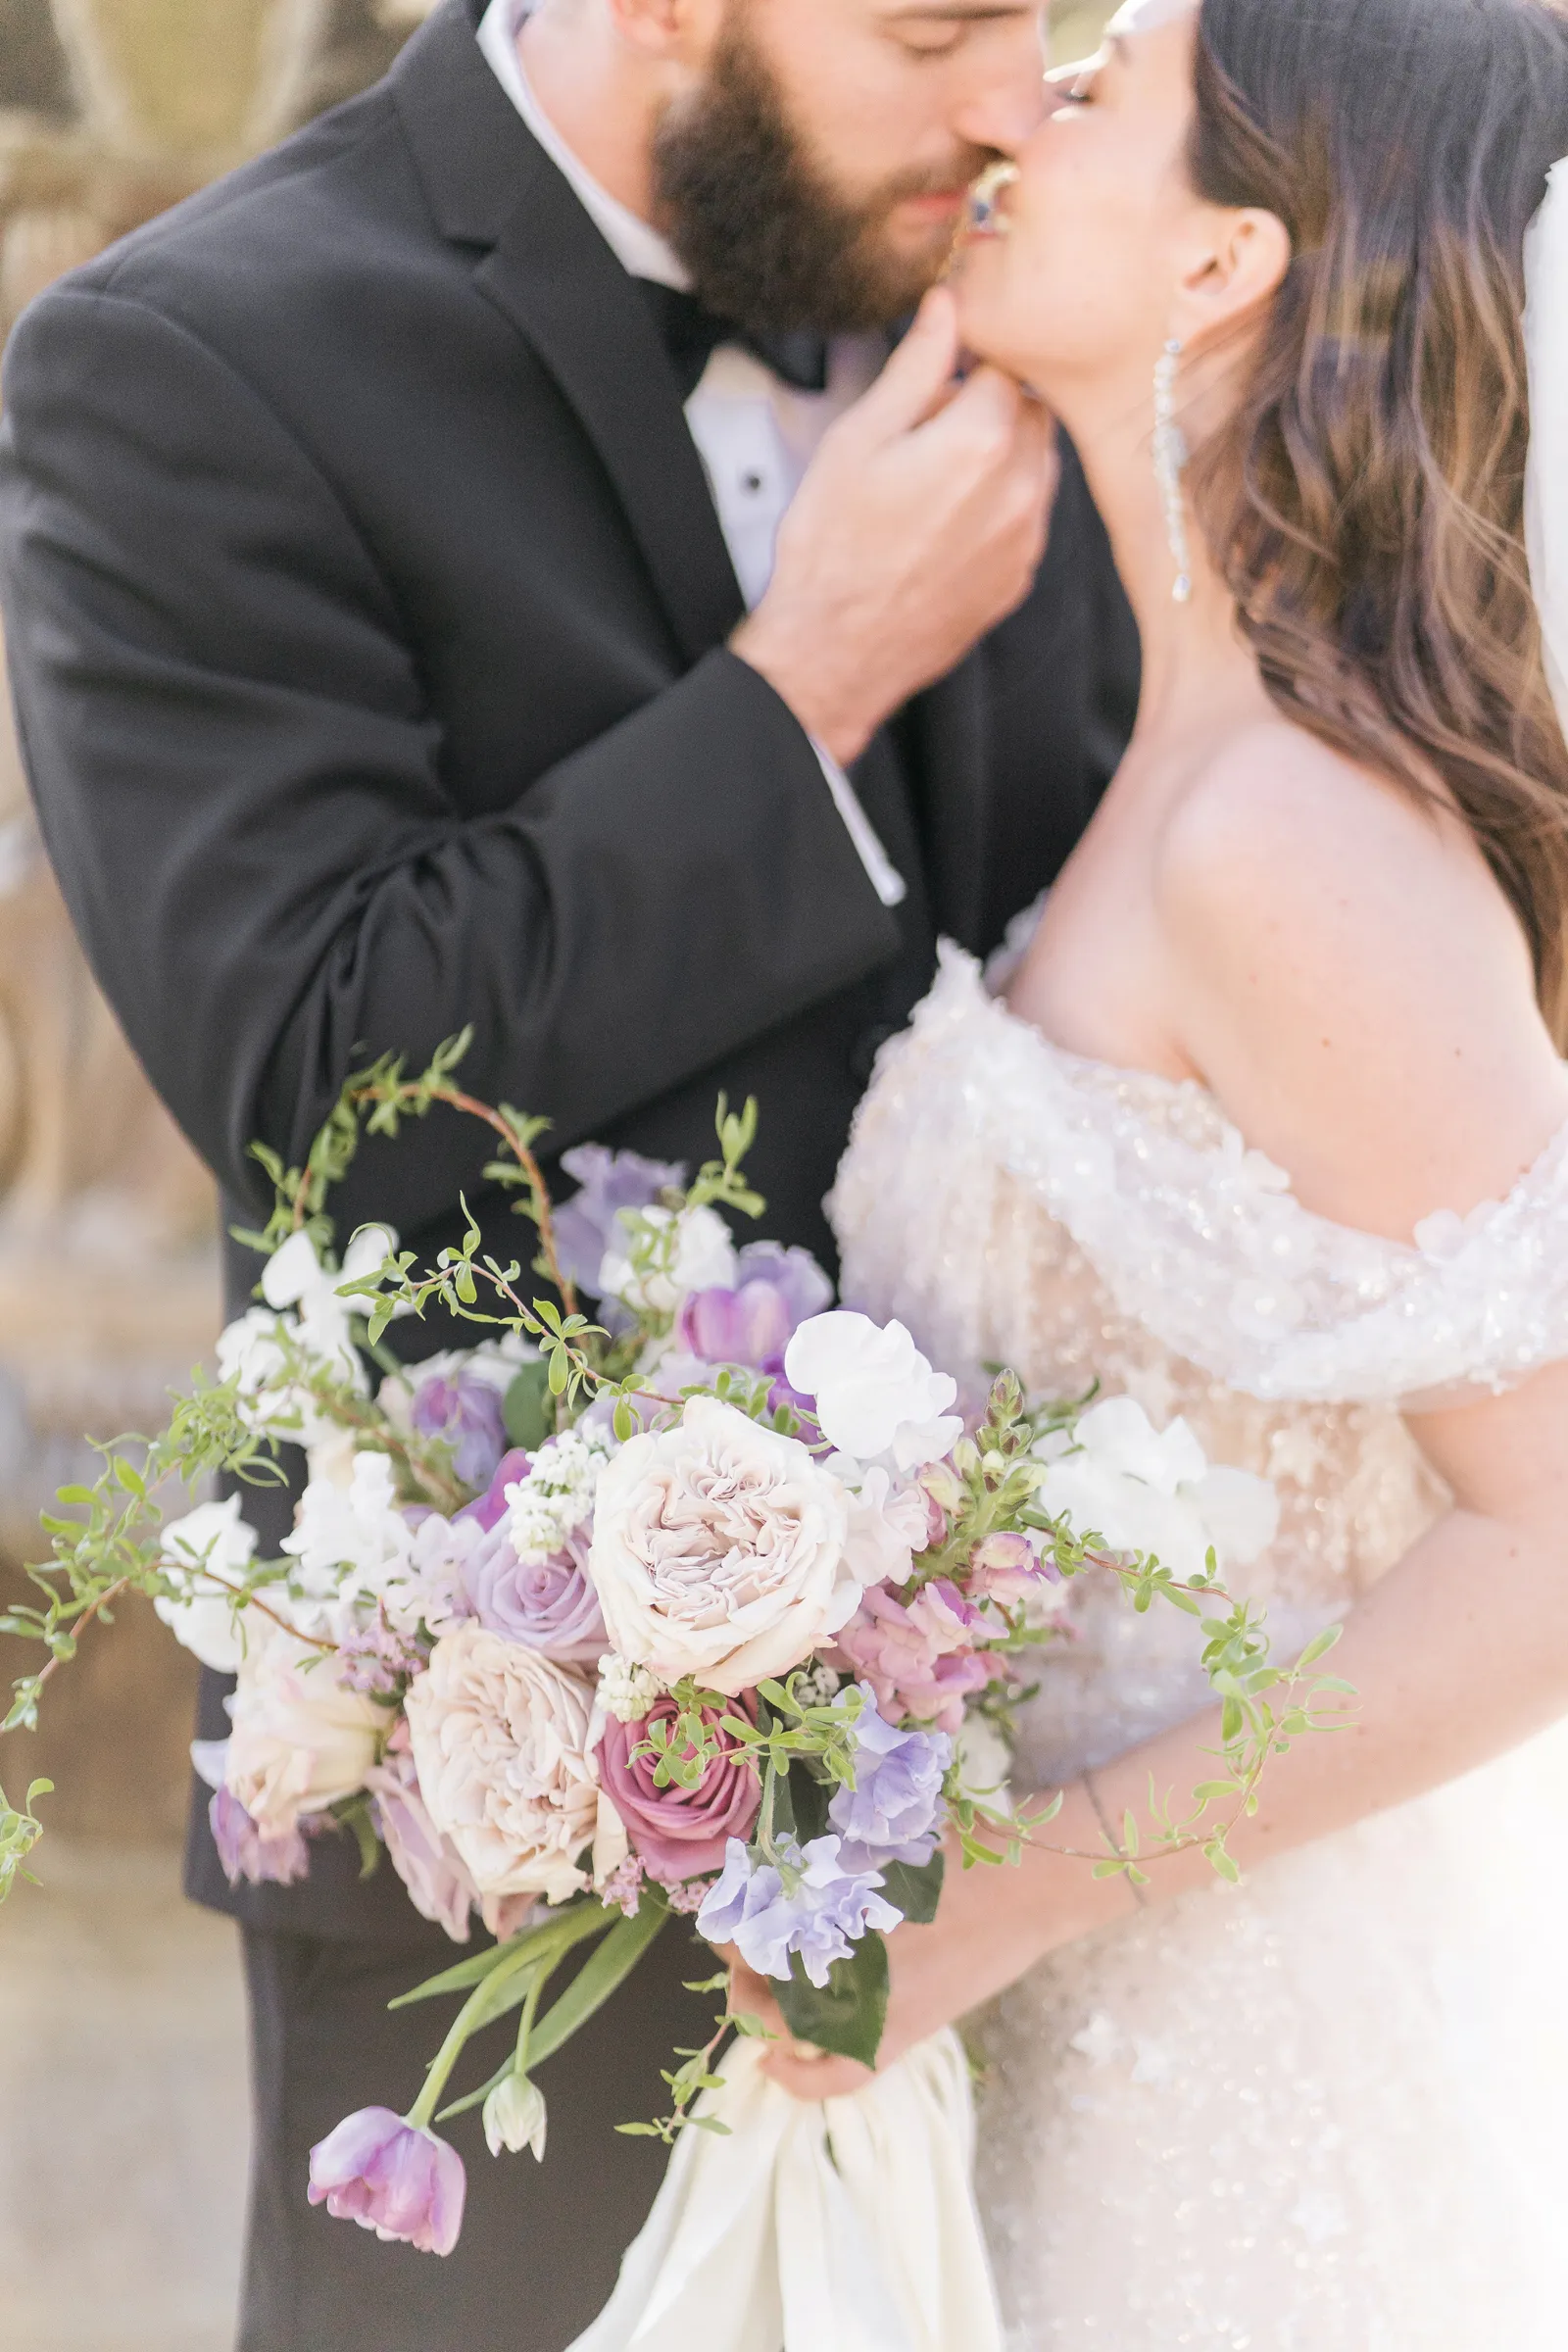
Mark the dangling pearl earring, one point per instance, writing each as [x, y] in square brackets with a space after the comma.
[1170, 458]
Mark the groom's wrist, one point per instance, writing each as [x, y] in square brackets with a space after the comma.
[832, 706]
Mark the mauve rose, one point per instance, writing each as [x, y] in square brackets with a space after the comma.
[678, 1833]
[465, 1410]
[492, 1505]
[547, 1605]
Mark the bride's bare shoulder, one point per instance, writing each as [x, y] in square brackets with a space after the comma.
[1350, 977]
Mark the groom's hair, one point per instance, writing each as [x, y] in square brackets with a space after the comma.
[770, 240]
[1367, 500]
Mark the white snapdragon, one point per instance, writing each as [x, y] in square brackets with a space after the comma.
[208, 1544]
[557, 1496]
[1153, 1491]
[701, 1258]
[876, 1397]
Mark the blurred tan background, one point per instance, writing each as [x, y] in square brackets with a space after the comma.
[122, 2130]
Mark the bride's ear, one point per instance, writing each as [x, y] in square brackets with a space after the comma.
[1232, 270]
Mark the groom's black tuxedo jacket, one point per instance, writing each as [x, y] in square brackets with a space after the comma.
[367, 613]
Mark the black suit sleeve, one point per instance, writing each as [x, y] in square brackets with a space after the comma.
[240, 780]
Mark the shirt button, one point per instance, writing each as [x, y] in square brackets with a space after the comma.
[751, 483]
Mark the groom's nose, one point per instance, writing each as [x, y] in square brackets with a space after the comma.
[1006, 106]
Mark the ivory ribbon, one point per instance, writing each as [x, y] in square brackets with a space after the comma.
[845, 2227]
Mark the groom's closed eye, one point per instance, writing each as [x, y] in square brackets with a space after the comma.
[938, 27]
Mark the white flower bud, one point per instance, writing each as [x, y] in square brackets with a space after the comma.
[515, 2117]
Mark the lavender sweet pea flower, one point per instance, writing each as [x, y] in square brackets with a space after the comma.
[246, 1851]
[492, 1505]
[830, 1909]
[392, 2176]
[465, 1410]
[611, 1181]
[547, 1605]
[894, 1812]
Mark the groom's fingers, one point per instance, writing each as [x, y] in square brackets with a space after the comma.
[917, 380]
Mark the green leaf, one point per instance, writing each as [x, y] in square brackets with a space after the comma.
[526, 1411]
[555, 1937]
[640, 2130]
[847, 2015]
[916, 1889]
[600, 1976]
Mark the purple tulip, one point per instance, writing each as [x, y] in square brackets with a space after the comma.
[678, 1833]
[392, 2176]
[547, 1605]
[245, 1851]
[491, 1507]
[611, 1181]
[465, 1411]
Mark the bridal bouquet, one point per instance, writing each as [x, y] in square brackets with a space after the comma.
[714, 1605]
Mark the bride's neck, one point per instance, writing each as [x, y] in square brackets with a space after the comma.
[1198, 672]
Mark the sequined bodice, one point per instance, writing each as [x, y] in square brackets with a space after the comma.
[1015, 1203]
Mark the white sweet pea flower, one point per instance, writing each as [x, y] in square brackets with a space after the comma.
[303, 1311]
[877, 1399]
[1153, 1491]
[888, 1526]
[213, 1539]
[702, 1259]
[354, 1547]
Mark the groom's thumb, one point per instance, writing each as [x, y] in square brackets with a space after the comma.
[917, 379]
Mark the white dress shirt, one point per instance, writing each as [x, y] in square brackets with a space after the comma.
[755, 434]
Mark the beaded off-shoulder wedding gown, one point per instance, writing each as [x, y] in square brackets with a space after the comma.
[1326, 2111]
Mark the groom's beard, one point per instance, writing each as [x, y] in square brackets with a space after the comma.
[768, 240]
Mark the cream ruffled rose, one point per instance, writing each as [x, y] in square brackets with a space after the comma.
[300, 1740]
[500, 1744]
[719, 1550]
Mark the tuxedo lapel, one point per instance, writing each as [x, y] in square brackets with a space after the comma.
[545, 266]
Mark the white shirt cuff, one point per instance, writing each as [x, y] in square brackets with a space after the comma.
[884, 876]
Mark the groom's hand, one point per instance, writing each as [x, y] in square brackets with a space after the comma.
[919, 525]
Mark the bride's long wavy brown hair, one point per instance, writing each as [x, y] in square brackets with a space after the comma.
[1366, 502]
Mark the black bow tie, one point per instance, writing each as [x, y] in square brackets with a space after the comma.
[691, 333]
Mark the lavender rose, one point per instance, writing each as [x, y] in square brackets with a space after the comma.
[677, 1832]
[549, 1605]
